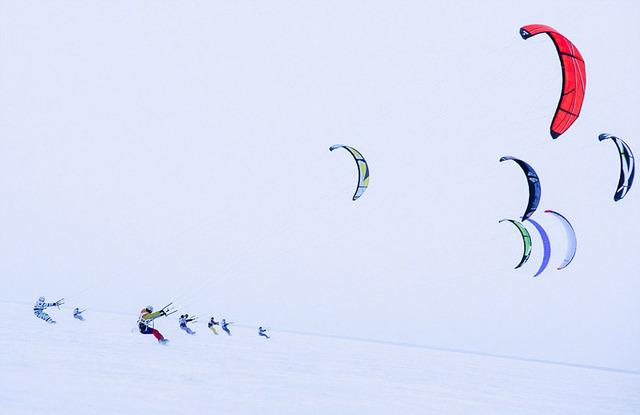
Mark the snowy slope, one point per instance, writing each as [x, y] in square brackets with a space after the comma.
[101, 367]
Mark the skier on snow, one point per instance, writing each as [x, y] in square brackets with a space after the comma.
[184, 319]
[212, 323]
[225, 326]
[38, 309]
[145, 323]
[263, 332]
[78, 314]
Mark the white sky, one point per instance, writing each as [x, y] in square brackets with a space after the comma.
[179, 151]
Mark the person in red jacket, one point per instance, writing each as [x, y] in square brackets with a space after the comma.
[145, 323]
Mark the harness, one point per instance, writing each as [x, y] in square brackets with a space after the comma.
[143, 323]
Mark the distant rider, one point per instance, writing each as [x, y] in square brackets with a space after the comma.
[225, 326]
[184, 319]
[212, 323]
[263, 332]
[78, 314]
[38, 309]
[145, 323]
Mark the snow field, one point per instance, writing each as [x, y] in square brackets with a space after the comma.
[101, 366]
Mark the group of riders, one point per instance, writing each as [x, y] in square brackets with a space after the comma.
[145, 320]
[147, 317]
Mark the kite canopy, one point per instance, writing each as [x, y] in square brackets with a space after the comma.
[546, 245]
[572, 243]
[363, 169]
[574, 78]
[627, 166]
[534, 186]
[526, 239]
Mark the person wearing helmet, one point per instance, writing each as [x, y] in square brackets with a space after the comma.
[145, 323]
[78, 314]
[212, 323]
[263, 332]
[38, 309]
[225, 326]
[184, 319]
